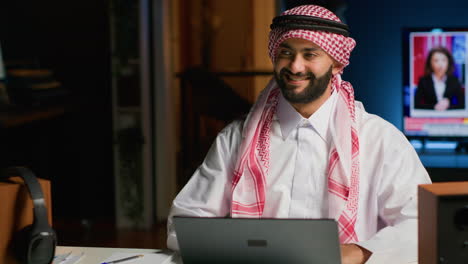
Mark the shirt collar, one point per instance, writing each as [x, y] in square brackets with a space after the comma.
[290, 119]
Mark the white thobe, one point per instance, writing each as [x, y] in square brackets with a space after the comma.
[390, 171]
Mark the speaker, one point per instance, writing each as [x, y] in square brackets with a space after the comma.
[443, 223]
[35, 243]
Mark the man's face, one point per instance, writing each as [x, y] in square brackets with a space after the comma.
[303, 70]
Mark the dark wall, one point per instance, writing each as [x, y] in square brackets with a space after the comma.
[72, 39]
[376, 63]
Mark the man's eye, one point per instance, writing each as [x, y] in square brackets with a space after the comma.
[285, 53]
[309, 55]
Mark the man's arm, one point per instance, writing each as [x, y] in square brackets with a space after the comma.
[207, 194]
[400, 175]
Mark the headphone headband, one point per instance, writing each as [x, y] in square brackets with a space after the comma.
[34, 244]
[35, 191]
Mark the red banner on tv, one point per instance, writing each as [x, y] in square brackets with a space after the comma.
[416, 124]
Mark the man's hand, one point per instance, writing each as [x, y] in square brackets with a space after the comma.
[354, 254]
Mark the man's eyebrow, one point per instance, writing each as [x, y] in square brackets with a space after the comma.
[284, 45]
[310, 49]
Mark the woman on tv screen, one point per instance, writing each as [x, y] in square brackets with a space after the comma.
[439, 89]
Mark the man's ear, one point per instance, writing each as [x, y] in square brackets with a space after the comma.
[337, 68]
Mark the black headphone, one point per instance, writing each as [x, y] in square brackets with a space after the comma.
[34, 244]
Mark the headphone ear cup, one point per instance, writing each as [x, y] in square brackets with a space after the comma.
[42, 247]
[32, 246]
[20, 244]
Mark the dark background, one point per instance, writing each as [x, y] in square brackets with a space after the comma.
[72, 38]
[73, 150]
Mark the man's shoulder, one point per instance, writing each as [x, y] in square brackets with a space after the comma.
[369, 119]
[375, 128]
[233, 129]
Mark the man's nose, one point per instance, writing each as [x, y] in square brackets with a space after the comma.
[297, 65]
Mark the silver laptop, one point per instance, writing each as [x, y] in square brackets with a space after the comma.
[236, 240]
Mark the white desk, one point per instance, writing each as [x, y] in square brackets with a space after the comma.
[96, 255]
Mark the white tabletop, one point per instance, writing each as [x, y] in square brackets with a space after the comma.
[96, 255]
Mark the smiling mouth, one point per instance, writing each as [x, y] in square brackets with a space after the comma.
[293, 79]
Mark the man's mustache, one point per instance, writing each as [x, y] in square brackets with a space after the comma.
[299, 74]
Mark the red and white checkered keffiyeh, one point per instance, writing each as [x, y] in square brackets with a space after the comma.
[251, 169]
[337, 46]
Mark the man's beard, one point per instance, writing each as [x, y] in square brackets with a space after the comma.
[315, 88]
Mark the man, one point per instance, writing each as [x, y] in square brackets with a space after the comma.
[308, 150]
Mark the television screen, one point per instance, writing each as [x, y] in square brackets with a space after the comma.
[435, 82]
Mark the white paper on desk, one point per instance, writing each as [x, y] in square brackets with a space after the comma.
[148, 258]
[71, 259]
